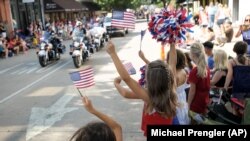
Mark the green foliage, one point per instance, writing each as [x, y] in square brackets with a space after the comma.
[108, 5]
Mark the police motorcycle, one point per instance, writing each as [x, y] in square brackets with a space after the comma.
[79, 52]
[98, 35]
[89, 44]
[50, 50]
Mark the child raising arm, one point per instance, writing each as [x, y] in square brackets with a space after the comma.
[110, 130]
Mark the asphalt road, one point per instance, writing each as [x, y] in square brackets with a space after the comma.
[39, 104]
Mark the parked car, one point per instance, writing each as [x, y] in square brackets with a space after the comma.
[112, 30]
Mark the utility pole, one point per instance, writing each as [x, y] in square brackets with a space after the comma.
[42, 12]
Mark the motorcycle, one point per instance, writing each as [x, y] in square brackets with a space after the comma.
[79, 53]
[99, 36]
[47, 54]
[89, 45]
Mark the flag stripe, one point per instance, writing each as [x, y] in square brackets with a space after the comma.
[85, 86]
[83, 78]
[85, 83]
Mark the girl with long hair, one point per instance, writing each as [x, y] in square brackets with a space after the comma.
[199, 79]
[159, 94]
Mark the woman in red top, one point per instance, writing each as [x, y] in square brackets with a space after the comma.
[199, 79]
[159, 95]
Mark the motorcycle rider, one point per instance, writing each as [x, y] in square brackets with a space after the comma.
[76, 34]
[46, 36]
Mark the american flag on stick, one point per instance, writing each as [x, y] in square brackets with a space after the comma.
[123, 19]
[130, 68]
[83, 78]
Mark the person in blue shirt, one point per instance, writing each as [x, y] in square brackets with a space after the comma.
[244, 31]
[209, 52]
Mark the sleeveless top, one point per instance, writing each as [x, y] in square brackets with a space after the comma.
[182, 109]
[153, 118]
[241, 80]
[222, 80]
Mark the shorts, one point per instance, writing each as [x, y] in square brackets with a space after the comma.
[220, 22]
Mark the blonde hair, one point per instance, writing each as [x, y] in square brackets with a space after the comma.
[220, 59]
[197, 51]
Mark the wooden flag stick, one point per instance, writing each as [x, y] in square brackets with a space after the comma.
[140, 44]
[80, 92]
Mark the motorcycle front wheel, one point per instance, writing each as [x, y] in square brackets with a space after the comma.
[42, 61]
[77, 61]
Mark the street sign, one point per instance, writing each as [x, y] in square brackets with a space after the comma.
[42, 119]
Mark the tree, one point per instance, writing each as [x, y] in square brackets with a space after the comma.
[119, 4]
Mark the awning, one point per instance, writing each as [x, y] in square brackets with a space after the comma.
[63, 6]
[92, 6]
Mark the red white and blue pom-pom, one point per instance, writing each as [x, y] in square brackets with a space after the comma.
[142, 80]
[170, 26]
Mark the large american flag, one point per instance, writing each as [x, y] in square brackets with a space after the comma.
[123, 19]
[83, 78]
[130, 68]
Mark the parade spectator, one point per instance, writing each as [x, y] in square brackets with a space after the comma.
[189, 63]
[199, 80]
[70, 28]
[226, 34]
[209, 53]
[210, 36]
[203, 19]
[198, 35]
[240, 48]
[220, 67]
[220, 15]
[108, 130]
[159, 96]
[181, 81]
[211, 14]
[3, 30]
[3, 48]
[227, 12]
[235, 69]
[13, 45]
[244, 30]
[23, 45]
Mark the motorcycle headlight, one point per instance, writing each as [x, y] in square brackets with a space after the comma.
[76, 44]
[96, 40]
[42, 46]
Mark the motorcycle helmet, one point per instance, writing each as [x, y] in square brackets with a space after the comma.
[76, 44]
[78, 23]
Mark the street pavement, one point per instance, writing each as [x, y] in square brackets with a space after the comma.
[39, 104]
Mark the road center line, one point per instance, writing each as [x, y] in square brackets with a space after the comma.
[33, 83]
[5, 70]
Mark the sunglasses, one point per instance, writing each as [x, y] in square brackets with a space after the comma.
[247, 20]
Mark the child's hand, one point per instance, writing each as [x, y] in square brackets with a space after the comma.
[117, 80]
[110, 48]
[87, 104]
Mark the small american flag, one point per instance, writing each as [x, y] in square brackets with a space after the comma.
[130, 68]
[123, 19]
[83, 78]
